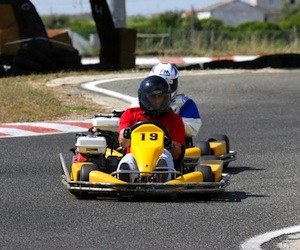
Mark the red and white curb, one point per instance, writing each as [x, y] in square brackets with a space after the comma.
[150, 61]
[41, 128]
[190, 60]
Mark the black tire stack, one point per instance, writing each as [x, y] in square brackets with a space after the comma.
[38, 56]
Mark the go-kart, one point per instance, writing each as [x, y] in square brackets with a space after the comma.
[96, 157]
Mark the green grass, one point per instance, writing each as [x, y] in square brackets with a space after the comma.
[28, 99]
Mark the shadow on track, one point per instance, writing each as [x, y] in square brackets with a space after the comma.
[240, 169]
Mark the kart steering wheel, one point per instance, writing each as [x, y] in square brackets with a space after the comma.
[166, 131]
[168, 139]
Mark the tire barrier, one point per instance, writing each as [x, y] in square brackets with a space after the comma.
[25, 47]
[276, 61]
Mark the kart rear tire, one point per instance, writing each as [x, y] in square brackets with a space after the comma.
[208, 175]
[85, 171]
[204, 147]
[220, 137]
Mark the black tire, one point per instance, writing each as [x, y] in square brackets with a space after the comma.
[84, 176]
[220, 137]
[67, 58]
[2, 71]
[208, 175]
[85, 171]
[204, 147]
[22, 60]
[208, 157]
[41, 52]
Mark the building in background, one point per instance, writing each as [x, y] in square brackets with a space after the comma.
[232, 12]
[235, 12]
[272, 8]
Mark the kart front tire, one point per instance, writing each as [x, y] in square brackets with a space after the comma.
[85, 171]
[220, 137]
[208, 175]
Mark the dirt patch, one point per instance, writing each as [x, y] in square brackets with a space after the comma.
[82, 103]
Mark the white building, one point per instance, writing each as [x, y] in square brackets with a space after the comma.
[235, 12]
[232, 12]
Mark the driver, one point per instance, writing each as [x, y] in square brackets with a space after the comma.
[180, 103]
[154, 95]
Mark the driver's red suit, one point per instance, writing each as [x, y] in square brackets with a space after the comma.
[170, 120]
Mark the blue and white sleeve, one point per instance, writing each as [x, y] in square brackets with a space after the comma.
[190, 116]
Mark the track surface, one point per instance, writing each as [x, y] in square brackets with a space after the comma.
[259, 111]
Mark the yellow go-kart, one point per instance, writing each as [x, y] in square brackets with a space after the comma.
[94, 168]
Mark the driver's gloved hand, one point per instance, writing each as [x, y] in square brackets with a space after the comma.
[127, 133]
[168, 144]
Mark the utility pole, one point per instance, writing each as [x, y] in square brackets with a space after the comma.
[117, 43]
[118, 12]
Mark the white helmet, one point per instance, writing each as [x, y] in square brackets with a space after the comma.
[169, 72]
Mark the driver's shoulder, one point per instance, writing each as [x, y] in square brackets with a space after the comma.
[132, 111]
[181, 98]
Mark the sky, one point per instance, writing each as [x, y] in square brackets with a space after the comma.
[133, 7]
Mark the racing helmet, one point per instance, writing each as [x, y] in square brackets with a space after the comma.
[154, 95]
[169, 72]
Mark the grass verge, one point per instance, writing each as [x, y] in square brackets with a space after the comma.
[28, 99]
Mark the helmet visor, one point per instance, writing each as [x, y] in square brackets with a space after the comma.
[158, 102]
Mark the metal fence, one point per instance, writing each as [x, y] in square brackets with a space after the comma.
[212, 42]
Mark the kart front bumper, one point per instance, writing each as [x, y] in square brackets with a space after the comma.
[147, 188]
[142, 189]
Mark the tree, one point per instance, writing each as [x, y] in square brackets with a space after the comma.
[290, 16]
[191, 22]
[83, 26]
[140, 23]
[56, 21]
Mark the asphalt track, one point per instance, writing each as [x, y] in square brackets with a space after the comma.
[258, 110]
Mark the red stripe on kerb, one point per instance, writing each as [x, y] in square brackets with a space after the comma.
[223, 58]
[31, 128]
[171, 60]
[2, 134]
[78, 124]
